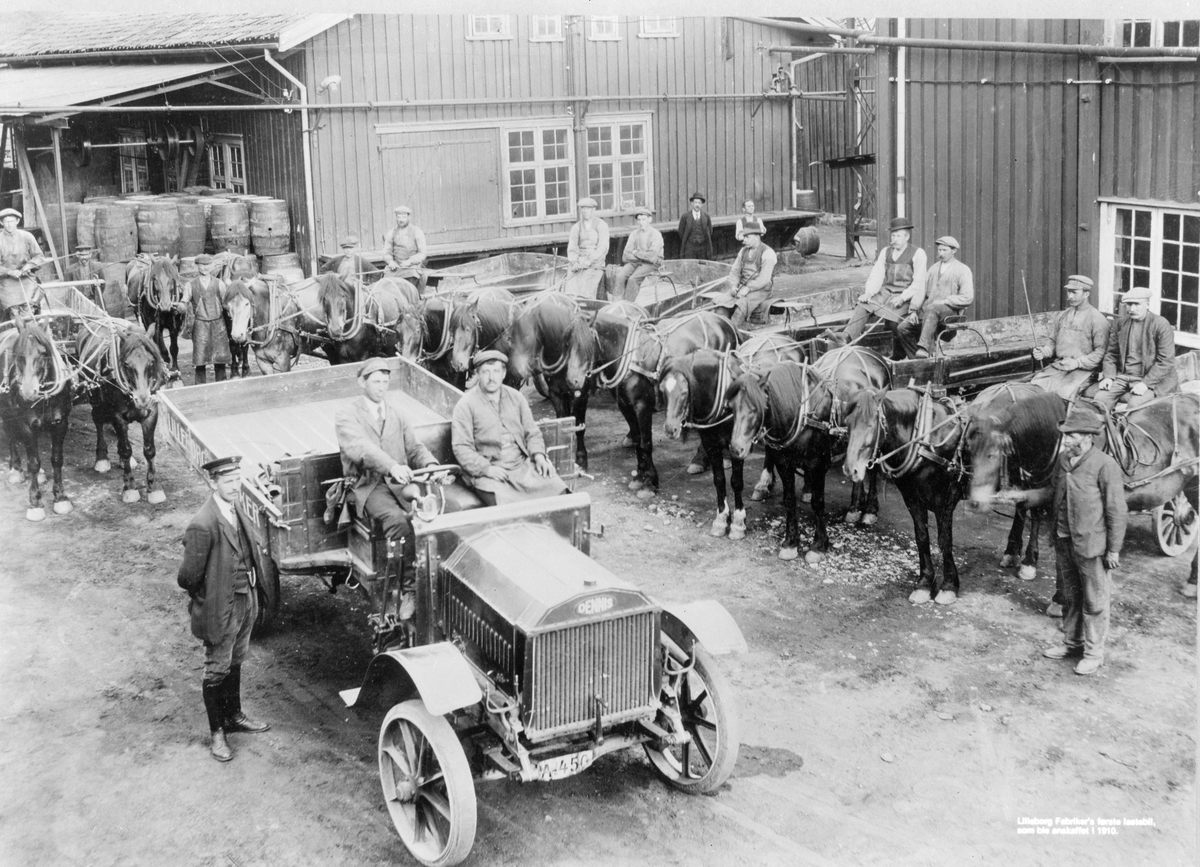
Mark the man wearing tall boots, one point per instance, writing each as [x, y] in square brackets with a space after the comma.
[222, 559]
[205, 295]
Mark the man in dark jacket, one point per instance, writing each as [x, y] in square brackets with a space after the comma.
[1139, 362]
[222, 559]
[1089, 528]
[695, 231]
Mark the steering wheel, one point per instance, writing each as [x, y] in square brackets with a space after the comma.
[425, 490]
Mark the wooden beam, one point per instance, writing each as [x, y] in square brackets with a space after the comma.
[56, 132]
[29, 186]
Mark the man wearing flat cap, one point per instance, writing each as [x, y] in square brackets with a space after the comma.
[894, 282]
[222, 562]
[643, 255]
[404, 249]
[349, 262]
[1139, 360]
[1075, 347]
[206, 295]
[496, 441]
[20, 256]
[1089, 517]
[587, 248]
[695, 231]
[379, 451]
[949, 289]
[750, 278]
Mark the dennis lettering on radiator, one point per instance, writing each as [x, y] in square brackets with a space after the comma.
[595, 605]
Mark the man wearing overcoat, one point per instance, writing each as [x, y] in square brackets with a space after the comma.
[20, 256]
[1077, 341]
[643, 255]
[1139, 361]
[695, 231]
[1089, 518]
[949, 289]
[222, 562]
[206, 295]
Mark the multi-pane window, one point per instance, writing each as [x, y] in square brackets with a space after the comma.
[1147, 33]
[488, 27]
[227, 163]
[545, 28]
[135, 172]
[649, 27]
[603, 27]
[538, 161]
[617, 161]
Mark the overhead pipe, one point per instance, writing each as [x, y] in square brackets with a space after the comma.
[818, 49]
[158, 54]
[1029, 47]
[811, 29]
[306, 141]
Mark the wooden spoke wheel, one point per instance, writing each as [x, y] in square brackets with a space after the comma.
[704, 700]
[427, 784]
[1176, 525]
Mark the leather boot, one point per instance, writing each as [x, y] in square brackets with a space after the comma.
[220, 372]
[201, 375]
[235, 720]
[214, 706]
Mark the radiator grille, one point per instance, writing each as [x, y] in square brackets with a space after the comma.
[614, 658]
[496, 649]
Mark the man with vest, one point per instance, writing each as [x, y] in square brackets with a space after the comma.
[222, 561]
[1075, 348]
[404, 249]
[896, 278]
[20, 256]
[643, 255]
[750, 278]
[949, 289]
[587, 248]
[695, 231]
[205, 295]
[1139, 361]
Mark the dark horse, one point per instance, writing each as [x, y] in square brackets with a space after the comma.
[695, 387]
[481, 321]
[362, 321]
[263, 316]
[915, 440]
[626, 353]
[125, 370]
[36, 396]
[539, 345]
[156, 294]
[438, 340]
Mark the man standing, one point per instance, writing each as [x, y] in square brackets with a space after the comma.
[948, 290]
[1077, 342]
[222, 559]
[404, 249]
[496, 441]
[20, 256]
[205, 295]
[750, 278]
[379, 451]
[643, 255]
[896, 278]
[1089, 528]
[587, 248]
[695, 231]
[1139, 361]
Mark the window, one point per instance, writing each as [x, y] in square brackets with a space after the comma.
[227, 163]
[1159, 248]
[603, 27]
[618, 164]
[488, 27]
[135, 172]
[545, 28]
[650, 28]
[1147, 33]
[538, 164]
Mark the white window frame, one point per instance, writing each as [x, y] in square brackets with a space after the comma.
[477, 27]
[1116, 30]
[657, 27]
[614, 122]
[535, 21]
[133, 166]
[538, 164]
[1108, 293]
[224, 155]
[596, 34]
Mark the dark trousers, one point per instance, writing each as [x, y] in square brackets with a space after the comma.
[235, 643]
[866, 313]
[932, 317]
[383, 506]
[1086, 586]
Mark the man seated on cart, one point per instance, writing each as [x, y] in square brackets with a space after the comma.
[20, 256]
[379, 451]
[496, 441]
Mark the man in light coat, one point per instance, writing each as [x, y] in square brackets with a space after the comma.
[949, 289]
[1076, 345]
[20, 256]
[587, 248]
[751, 277]
[643, 256]
[405, 250]
[1139, 361]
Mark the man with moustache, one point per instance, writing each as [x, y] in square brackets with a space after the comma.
[695, 231]
[1139, 361]
[949, 290]
[1078, 339]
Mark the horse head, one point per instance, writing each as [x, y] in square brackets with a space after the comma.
[142, 368]
[677, 383]
[409, 317]
[464, 331]
[538, 337]
[337, 300]
[241, 305]
[1012, 438]
[164, 283]
[748, 400]
[33, 367]
[581, 352]
[989, 444]
[865, 423]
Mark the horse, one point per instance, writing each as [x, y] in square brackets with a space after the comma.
[361, 319]
[438, 340]
[125, 369]
[35, 397]
[539, 345]
[254, 321]
[916, 441]
[482, 321]
[695, 387]
[627, 354]
[155, 292]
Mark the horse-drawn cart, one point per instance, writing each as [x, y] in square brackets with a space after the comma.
[526, 658]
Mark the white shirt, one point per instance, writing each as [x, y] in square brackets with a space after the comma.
[226, 510]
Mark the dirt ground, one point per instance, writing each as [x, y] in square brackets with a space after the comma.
[873, 732]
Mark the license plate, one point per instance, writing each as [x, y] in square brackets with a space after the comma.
[564, 766]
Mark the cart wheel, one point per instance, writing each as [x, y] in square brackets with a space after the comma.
[704, 697]
[268, 598]
[1175, 525]
[427, 784]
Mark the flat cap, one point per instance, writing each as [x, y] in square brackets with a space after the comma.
[1078, 281]
[1137, 293]
[486, 355]
[643, 210]
[374, 365]
[587, 202]
[349, 241]
[900, 223]
[10, 212]
[947, 241]
[754, 227]
[84, 248]
[221, 466]
[1081, 420]
[204, 259]
[695, 196]
[402, 209]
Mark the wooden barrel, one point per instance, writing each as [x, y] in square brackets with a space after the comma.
[808, 241]
[806, 200]
[270, 229]
[116, 236]
[158, 227]
[85, 224]
[229, 227]
[285, 265]
[193, 228]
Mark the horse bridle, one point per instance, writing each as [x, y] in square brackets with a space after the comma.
[720, 412]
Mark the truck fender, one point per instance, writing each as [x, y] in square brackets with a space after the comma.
[705, 622]
[438, 674]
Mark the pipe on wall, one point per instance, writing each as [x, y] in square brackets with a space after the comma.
[901, 93]
[306, 147]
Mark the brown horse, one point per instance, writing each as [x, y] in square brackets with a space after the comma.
[481, 321]
[157, 295]
[361, 321]
[438, 340]
[264, 316]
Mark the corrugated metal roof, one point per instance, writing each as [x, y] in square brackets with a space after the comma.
[75, 85]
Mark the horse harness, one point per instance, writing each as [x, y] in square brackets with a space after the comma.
[802, 413]
[720, 412]
[921, 446]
